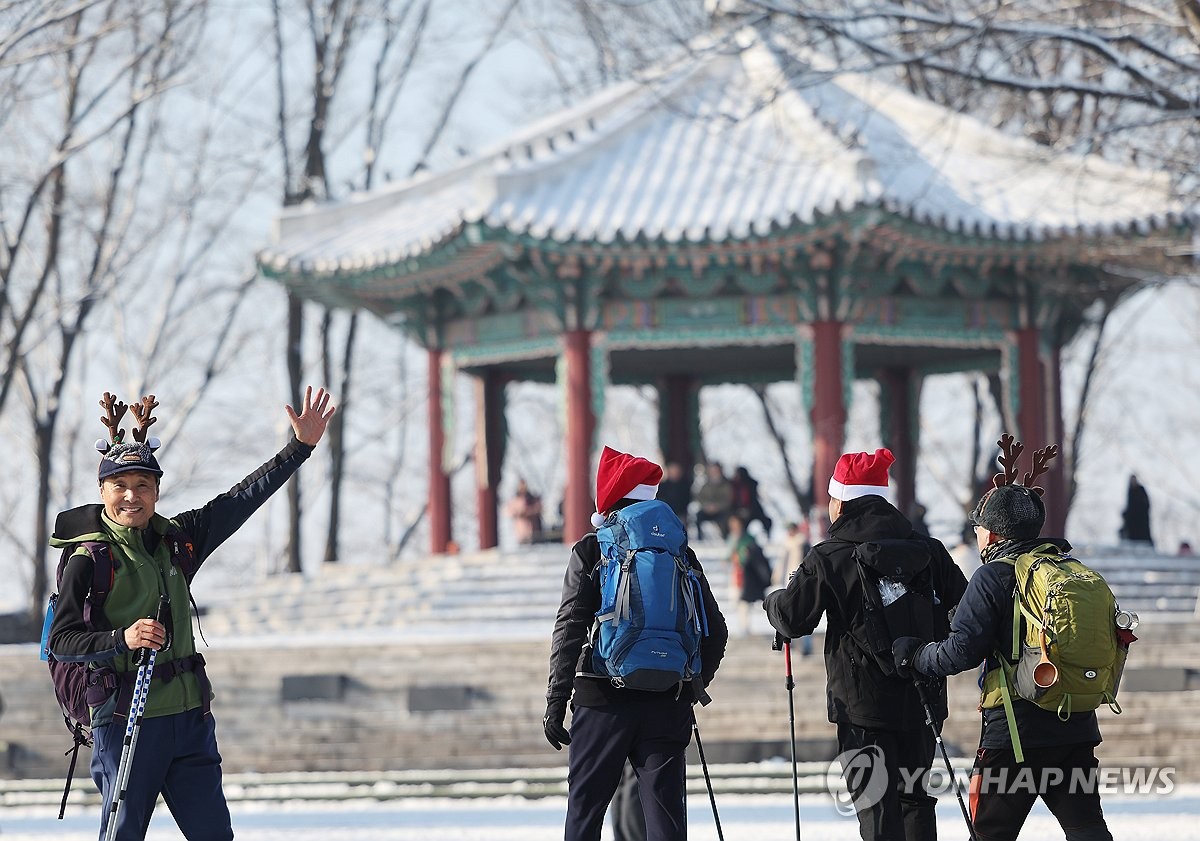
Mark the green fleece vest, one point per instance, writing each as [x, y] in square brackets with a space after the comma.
[139, 579]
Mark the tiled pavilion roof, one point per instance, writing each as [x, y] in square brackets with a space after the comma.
[741, 139]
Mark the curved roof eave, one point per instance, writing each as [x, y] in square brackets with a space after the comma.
[706, 150]
[474, 251]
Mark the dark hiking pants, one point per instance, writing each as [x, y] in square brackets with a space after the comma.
[886, 781]
[176, 756]
[652, 736]
[1065, 777]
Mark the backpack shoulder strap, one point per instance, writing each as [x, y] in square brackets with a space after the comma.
[104, 568]
[1014, 653]
[183, 555]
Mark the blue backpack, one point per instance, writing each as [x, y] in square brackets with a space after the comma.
[651, 617]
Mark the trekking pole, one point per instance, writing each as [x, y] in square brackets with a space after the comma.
[937, 735]
[141, 688]
[782, 642]
[712, 798]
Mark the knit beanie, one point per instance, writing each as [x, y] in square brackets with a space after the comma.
[1011, 511]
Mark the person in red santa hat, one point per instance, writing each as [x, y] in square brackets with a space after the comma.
[613, 724]
[879, 714]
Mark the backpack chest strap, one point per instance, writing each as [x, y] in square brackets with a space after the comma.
[166, 672]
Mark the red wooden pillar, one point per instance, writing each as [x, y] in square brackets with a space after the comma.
[829, 405]
[899, 434]
[1031, 409]
[439, 479]
[675, 403]
[489, 425]
[577, 504]
[1055, 481]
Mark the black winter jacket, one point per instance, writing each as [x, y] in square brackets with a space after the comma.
[571, 645]
[207, 528]
[983, 625]
[828, 583]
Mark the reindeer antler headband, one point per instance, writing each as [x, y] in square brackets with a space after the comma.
[114, 410]
[1012, 449]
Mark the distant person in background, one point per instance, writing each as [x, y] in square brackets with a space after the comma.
[750, 570]
[676, 491]
[525, 509]
[795, 547]
[746, 503]
[916, 516]
[716, 501]
[1135, 525]
[817, 518]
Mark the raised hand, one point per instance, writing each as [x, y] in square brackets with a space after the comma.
[314, 416]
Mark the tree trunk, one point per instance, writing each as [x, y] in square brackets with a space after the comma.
[44, 436]
[803, 498]
[337, 444]
[1073, 455]
[295, 365]
[975, 478]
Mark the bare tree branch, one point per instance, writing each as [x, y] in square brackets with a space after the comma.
[803, 498]
[464, 76]
[43, 16]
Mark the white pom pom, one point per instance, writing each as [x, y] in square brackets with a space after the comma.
[598, 519]
[102, 445]
[153, 443]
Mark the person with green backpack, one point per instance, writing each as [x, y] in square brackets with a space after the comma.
[1044, 627]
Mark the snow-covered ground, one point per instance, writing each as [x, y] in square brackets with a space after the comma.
[1174, 816]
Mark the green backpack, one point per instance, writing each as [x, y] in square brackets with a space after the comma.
[1065, 654]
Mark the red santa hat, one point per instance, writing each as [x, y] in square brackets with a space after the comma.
[622, 476]
[861, 474]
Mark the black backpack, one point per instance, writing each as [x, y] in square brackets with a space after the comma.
[899, 597]
[73, 680]
[756, 572]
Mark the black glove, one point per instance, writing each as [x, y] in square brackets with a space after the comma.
[552, 723]
[904, 654]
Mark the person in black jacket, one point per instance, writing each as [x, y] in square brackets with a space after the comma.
[676, 490]
[610, 724]
[1058, 753]
[1135, 519]
[879, 717]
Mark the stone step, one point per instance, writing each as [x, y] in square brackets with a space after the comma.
[475, 630]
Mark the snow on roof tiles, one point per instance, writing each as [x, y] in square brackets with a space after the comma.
[723, 147]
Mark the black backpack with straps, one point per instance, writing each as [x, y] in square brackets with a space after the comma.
[899, 597]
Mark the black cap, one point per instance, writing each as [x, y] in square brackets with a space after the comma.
[1011, 511]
